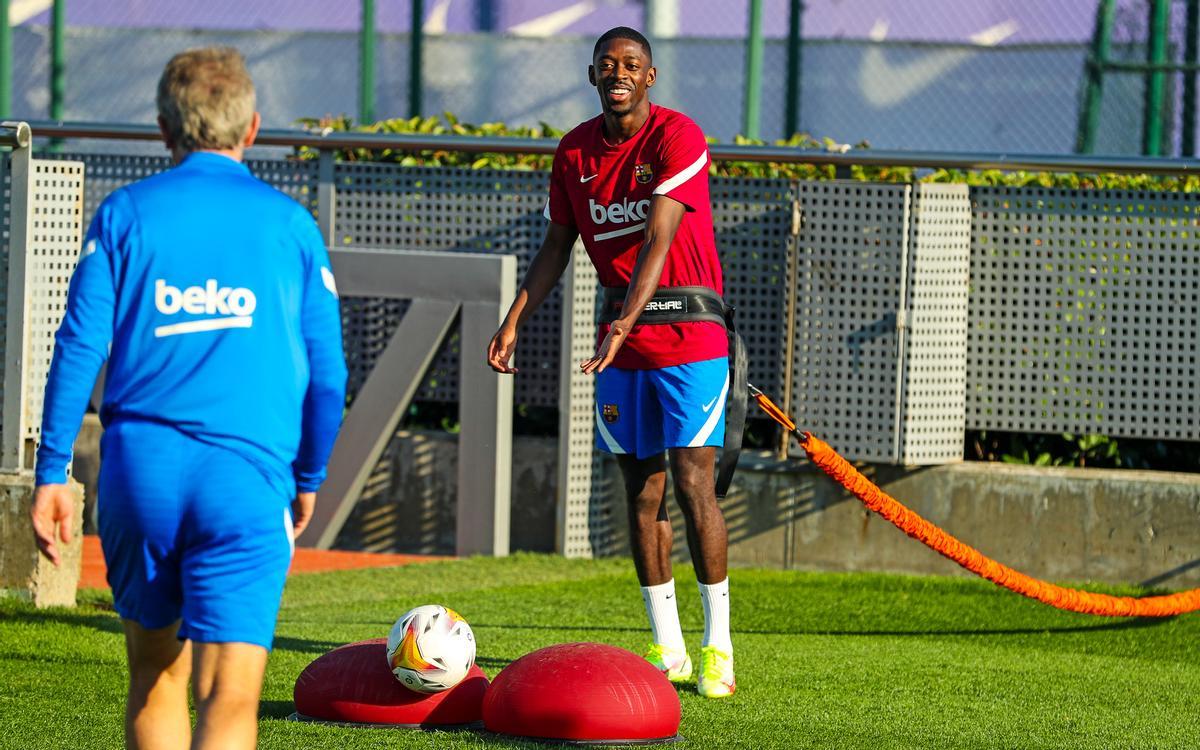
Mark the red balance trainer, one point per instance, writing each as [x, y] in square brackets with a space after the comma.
[352, 684]
[585, 692]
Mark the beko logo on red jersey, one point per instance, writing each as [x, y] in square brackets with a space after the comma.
[237, 304]
[618, 213]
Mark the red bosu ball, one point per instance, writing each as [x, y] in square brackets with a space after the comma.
[583, 692]
[352, 684]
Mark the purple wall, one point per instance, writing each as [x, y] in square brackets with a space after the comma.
[1032, 21]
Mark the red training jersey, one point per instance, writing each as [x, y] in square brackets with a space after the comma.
[604, 190]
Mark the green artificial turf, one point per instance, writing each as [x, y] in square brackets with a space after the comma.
[823, 660]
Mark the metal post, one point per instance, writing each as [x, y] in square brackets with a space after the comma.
[580, 482]
[662, 19]
[485, 440]
[415, 43]
[58, 64]
[662, 26]
[485, 15]
[6, 61]
[16, 354]
[1191, 53]
[791, 112]
[366, 63]
[327, 199]
[754, 64]
[1156, 55]
[1089, 116]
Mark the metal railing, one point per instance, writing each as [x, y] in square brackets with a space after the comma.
[333, 140]
[15, 134]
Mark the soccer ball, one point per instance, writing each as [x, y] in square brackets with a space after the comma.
[430, 649]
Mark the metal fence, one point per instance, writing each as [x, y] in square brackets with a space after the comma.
[890, 317]
[975, 75]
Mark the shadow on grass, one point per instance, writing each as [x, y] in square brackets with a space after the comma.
[304, 646]
[275, 709]
[1127, 624]
[108, 622]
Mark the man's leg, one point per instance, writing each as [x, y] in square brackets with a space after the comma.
[156, 709]
[649, 525]
[695, 491]
[650, 540]
[227, 684]
[708, 541]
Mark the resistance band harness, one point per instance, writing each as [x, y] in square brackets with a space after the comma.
[696, 304]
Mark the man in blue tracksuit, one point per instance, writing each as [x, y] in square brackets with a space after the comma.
[210, 295]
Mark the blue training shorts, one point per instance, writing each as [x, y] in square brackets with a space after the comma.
[644, 412]
[191, 532]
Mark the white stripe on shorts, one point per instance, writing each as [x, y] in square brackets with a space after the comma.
[287, 529]
[711, 423]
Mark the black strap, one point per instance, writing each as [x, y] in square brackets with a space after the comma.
[735, 408]
[687, 304]
[677, 304]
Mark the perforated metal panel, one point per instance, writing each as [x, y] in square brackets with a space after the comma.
[847, 296]
[107, 172]
[935, 339]
[434, 208]
[586, 507]
[5, 239]
[753, 224]
[1084, 312]
[55, 238]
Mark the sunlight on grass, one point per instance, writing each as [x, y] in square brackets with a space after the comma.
[823, 660]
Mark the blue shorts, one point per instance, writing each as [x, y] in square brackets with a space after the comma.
[644, 412]
[191, 532]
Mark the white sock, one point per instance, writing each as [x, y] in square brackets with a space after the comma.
[664, 614]
[715, 598]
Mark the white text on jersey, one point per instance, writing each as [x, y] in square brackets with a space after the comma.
[619, 213]
[236, 303]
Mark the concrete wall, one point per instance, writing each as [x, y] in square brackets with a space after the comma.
[1061, 524]
[24, 572]
[1053, 523]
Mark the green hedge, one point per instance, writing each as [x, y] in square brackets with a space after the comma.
[448, 124]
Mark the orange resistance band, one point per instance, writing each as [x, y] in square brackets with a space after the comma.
[968, 557]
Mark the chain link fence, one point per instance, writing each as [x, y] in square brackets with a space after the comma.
[974, 75]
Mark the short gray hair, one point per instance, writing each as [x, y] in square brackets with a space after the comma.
[206, 99]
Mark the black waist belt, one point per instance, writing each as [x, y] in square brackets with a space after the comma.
[680, 304]
[698, 304]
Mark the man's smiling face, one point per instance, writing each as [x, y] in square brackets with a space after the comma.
[621, 73]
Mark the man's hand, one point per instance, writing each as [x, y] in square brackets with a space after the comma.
[617, 333]
[302, 511]
[53, 509]
[501, 349]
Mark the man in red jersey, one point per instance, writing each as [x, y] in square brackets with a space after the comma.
[633, 183]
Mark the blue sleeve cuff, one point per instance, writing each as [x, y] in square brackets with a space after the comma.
[309, 481]
[52, 473]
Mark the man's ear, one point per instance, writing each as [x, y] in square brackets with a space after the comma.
[651, 76]
[592, 74]
[166, 133]
[252, 130]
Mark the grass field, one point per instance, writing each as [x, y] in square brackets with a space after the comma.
[829, 661]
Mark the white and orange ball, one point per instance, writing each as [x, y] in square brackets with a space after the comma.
[430, 649]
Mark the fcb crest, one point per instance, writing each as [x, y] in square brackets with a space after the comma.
[643, 173]
[610, 413]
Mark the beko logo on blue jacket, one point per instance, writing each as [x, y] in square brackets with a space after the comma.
[235, 305]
